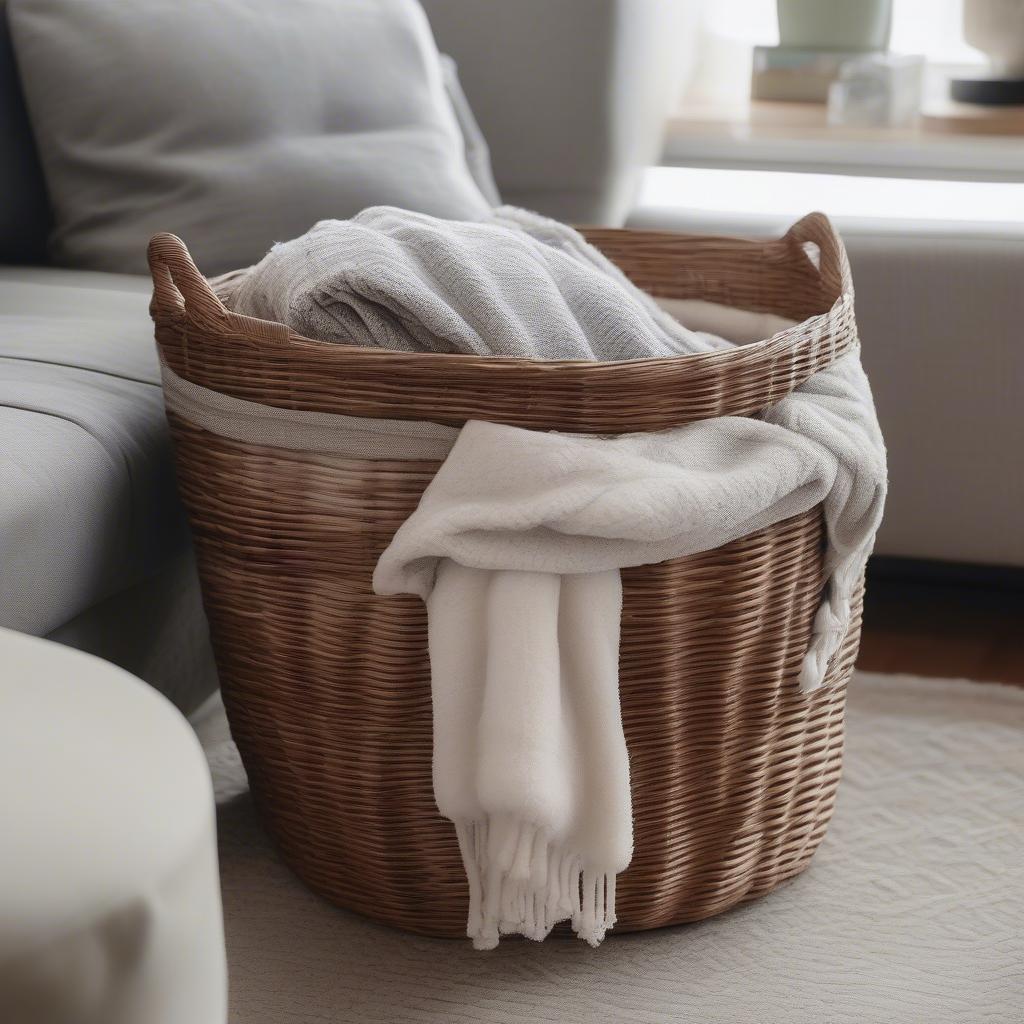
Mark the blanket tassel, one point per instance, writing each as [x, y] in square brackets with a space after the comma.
[521, 883]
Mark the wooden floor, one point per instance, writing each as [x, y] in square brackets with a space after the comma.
[951, 630]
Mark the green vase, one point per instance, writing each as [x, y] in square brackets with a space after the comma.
[835, 24]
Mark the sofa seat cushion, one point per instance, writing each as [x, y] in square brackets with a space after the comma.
[88, 504]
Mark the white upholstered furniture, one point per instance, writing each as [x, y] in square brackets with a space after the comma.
[109, 896]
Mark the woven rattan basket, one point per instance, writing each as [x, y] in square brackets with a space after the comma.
[734, 771]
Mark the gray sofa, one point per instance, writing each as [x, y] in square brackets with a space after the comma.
[94, 549]
[94, 546]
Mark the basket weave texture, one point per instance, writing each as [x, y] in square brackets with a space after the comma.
[327, 687]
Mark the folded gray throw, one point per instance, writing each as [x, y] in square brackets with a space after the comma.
[516, 285]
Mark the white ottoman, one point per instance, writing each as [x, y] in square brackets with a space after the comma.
[109, 894]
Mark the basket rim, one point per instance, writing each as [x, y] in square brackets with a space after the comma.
[180, 287]
[268, 363]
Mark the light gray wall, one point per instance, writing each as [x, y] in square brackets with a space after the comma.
[571, 95]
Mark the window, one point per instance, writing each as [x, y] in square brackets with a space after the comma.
[929, 27]
[732, 27]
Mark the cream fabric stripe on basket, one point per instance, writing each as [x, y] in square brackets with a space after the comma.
[354, 436]
[363, 437]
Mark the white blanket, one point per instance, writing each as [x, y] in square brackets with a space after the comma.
[516, 547]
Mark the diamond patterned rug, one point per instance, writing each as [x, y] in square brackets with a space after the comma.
[912, 911]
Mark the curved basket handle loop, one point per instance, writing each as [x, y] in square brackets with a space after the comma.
[181, 292]
[817, 229]
[178, 287]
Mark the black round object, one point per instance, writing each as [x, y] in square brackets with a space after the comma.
[989, 92]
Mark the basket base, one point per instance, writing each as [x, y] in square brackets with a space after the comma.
[629, 924]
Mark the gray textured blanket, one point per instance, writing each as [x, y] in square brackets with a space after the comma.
[517, 285]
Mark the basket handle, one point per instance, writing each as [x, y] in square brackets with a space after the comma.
[833, 266]
[182, 293]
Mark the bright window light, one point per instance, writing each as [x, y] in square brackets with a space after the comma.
[933, 28]
[791, 194]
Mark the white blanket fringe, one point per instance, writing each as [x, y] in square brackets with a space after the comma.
[522, 883]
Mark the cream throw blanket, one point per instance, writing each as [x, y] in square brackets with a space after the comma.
[516, 546]
[517, 543]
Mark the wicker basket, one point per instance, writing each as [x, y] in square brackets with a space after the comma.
[734, 771]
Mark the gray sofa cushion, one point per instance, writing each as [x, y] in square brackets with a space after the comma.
[24, 211]
[234, 124]
[87, 495]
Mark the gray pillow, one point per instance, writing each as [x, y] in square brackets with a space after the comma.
[234, 123]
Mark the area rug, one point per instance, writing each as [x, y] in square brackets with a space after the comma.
[912, 910]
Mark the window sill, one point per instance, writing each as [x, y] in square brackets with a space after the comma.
[753, 201]
[950, 142]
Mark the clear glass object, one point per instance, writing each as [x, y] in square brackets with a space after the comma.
[877, 90]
